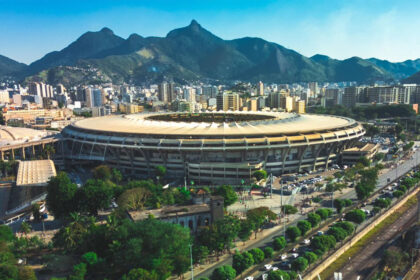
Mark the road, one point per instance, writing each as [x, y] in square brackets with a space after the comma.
[366, 260]
[392, 174]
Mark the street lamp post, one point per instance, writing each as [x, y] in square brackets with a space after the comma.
[192, 266]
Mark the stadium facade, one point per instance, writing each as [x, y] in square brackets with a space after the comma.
[211, 148]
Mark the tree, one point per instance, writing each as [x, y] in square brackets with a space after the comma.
[160, 171]
[6, 233]
[362, 191]
[259, 217]
[347, 226]
[324, 213]
[141, 274]
[289, 209]
[200, 253]
[26, 273]
[379, 156]
[79, 272]
[94, 195]
[293, 275]
[339, 204]
[25, 228]
[223, 272]
[36, 211]
[311, 257]
[257, 254]
[90, 258]
[365, 161]
[48, 151]
[246, 229]
[300, 264]
[150, 244]
[268, 252]
[60, 195]
[314, 219]
[304, 226]
[241, 262]
[338, 233]
[134, 199]
[293, 233]
[102, 172]
[116, 175]
[397, 193]
[348, 202]
[279, 243]
[220, 235]
[382, 202]
[278, 275]
[322, 243]
[260, 174]
[357, 216]
[228, 194]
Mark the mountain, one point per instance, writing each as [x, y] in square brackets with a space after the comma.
[399, 70]
[351, 69]
[193, 53]
[9, 66]
[413, 79]
[89, 45]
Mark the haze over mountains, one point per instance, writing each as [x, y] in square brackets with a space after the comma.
[193, 53]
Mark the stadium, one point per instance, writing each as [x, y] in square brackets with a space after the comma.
[211, 148]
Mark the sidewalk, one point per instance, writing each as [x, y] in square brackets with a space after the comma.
[240, 246]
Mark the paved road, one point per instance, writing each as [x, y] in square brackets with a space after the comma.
[365, 261]
[392, 174]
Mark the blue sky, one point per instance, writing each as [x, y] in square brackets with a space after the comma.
[387, 29]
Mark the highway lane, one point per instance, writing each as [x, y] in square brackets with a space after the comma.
[366, 260]
[392, 174]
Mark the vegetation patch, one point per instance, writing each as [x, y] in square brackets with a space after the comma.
[356, 248]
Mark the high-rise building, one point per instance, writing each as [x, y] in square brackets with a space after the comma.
[61, 89]
[299, 107]
[332, 97]
[93, 97]
[287, 103]
[253, 104]
[163, 92]
[228, 101]
[189, 94]
[383, 94]
[260, 88]
[41, 89]
[181, 106]
[166, 92]
[352, 95]
[313, 87]
[210, 91]
[4, 97]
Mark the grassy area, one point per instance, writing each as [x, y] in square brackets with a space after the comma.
[356, 248]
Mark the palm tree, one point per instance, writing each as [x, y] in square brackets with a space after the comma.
[48, 151]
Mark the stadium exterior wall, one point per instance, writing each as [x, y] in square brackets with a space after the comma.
[214, 159]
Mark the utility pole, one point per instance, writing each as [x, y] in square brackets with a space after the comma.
[192, 266]
[271, 185]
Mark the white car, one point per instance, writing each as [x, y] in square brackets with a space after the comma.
[268, 266]
[275, 268]
[283, 257]
[306, 241]
[295, 255]
[249, 278]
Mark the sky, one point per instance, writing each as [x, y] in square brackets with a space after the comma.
[385, 29]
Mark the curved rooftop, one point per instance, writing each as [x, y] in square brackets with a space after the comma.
[10, 134]
[233, 123]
